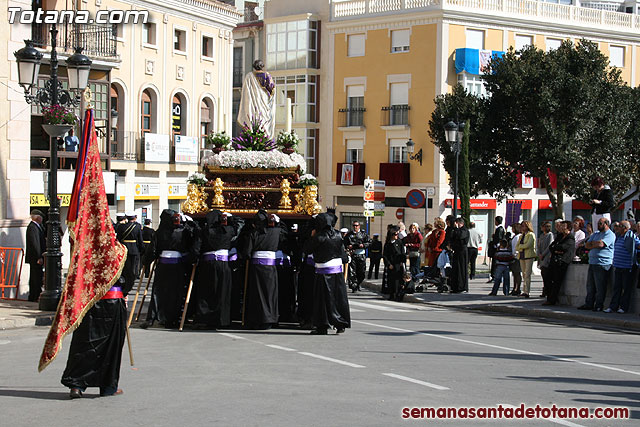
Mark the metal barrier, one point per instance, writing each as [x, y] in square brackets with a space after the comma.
[11, 260]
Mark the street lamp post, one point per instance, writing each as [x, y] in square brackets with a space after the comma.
[78, 67]
[453, 134]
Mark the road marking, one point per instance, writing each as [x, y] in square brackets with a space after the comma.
[237, 337]
[4, 342]
[376, 307]
[553, 420]
[410, 306]
[411, 380]
[279, 347]
[330, 359]
[499, 347]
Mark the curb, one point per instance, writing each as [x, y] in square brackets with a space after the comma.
[522, 311]
[43, 320]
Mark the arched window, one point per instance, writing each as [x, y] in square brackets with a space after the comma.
[206, 117]
[146, 112]
[176, 117]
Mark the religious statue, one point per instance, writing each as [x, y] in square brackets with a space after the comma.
[258, 101]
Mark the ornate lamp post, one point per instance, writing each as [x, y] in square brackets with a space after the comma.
[453, 134]
[410, 149]
[78, 67]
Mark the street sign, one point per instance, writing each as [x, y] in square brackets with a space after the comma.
[415, 199]
[368, 214]
[431, 191]
[400, 214]
[374, 185]
[373, 206]
[378, 213]
[377, 196]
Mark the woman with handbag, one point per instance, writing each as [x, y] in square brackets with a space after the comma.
[526, 248]
[412, 243]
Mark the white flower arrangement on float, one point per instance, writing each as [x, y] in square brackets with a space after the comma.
[197, 178]
[307, 180]
[257, 159]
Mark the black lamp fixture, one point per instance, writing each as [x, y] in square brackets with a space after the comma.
[78, 68]
[411, 146]
[453, 134]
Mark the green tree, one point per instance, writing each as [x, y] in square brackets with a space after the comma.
[563, 112]
[463, 180]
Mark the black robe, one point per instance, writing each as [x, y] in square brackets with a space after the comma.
[330, 301]
[306, 280]
[286, 282]
[212, 284]
[130, 235]
[394, 255]
[460, 261]
[96, 347]
[261, 300]
[171, 279]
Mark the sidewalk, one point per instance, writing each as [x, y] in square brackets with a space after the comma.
[22, 314]
[477, 299]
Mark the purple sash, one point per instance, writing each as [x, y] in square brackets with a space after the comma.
[329, 270]
[263, 261]
[214, 257]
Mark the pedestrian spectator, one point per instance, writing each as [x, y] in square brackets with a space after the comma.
[503, 258]
[625, 268]
[544, 255]
[403, 230]
[428, 229]
[589, 231]
[600, 246]
[460, 261]
[394, 258]
[447, 232]
[561, 250]
[579, 236]
[36, 245]
[475, 239]
[601, 201]
[375, 255]
[434, 242]
[412, 242]
[71, 143]
[498, 234]
[526, 248]
[516, 271]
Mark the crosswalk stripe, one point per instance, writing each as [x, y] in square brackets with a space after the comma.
[376, 307]
[413, 380]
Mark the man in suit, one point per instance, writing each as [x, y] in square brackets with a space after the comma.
[36, 245]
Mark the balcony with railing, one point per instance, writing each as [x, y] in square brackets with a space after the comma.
[395, 117]
[127, 145]
[98, 41]
[532, 10]
[351, 118]
[41, 154]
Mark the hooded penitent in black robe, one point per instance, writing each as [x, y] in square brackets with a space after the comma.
[306, 280]
[259, 246]
[330, 302]
[286, 282]
[176, 248]
[130, 235]
[212, 285]
[96, 347]
[460, 261]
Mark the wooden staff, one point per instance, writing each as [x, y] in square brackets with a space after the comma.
[146, 288]
[135, 299]
[346, 271]
[186, 302]
[129, 345]
[244, 294]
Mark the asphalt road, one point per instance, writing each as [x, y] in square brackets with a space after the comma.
[396, 355]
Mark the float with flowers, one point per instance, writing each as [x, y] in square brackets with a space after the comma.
[250, 172]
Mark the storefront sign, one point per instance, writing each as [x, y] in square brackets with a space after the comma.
[527, 181]
[147, 191]
[475, 203]
[40, 200]
[156, 147]
[177, 191]
[186, 149]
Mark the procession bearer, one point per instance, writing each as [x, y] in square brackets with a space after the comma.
[330, 303]
[130, 234]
